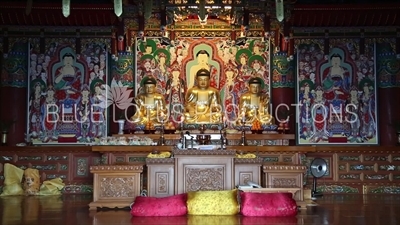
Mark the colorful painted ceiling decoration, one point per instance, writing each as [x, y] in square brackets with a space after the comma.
[388, 64]
[15, 64]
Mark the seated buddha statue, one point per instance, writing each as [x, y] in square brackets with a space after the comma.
[150, 106]
[254, 105]
[202, 102]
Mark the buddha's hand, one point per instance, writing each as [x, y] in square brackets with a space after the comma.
[250, 114]
[138, 101]
[192, 112]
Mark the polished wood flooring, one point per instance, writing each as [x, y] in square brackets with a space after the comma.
[74, 210]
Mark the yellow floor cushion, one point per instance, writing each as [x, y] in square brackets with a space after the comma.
[12, 180]
[213, 202]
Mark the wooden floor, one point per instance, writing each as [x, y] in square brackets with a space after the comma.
[73, 210]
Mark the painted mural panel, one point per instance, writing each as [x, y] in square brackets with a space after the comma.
[283, 71]
[64, 89]
[388, 64]
[336, 93]
[174, 67]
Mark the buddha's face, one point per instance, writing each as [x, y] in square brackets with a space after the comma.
[366, 89]
[353, 94]
[148, 50]
[243, 60]
[38, 89]
[203, 82]
[50, 94]
[256, 65]
[319, 94]
[97, 90]
[234, 50]
[202, 59]
[85, 94]
[335, 61]
[254, 88]
[162, 60]
[150, 88]
[306, 89]
[68, 61]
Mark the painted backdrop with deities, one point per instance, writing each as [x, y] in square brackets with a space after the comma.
[174, 66]
[336, 92]
[64, 88]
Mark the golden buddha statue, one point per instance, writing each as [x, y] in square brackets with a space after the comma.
[150, 106]
[202, 102]
[254, 105]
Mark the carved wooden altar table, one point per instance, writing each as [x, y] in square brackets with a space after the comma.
[204, 170]
[115, 186]
[279, 177]
[193, 170]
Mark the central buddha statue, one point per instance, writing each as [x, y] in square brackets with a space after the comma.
[150, 105]
[254, 105]
[202, 102]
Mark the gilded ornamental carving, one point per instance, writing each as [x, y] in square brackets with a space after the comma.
[117, 187]
[160, 160]
[203, 152]
[257, 160]
[204, 179]
[284, 182]
[162, 182]
[284, 167]
[133, 168]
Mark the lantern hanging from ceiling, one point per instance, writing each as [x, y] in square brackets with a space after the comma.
[280, 14]
[66, 6]
[118, 7]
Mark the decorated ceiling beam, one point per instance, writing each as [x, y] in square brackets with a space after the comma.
[14, 14]
[50, 14]
[348, 16]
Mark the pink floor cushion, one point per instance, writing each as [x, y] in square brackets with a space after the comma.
[267, 204]
[167, 206]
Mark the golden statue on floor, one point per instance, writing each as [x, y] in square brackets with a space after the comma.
[254, 105]
[202, 102]
[151, 106]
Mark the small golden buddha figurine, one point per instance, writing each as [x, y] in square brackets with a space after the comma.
[151, 106]
[202, 102]
[254, 105]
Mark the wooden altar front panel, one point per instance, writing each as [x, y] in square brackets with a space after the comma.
[214, 171]
[115, 186]
[247, 169]
[160, 177]
[285, 176]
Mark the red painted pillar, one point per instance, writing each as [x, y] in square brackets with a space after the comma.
[13, 98]
[388, 113]
[283, 91]
[14, 107]
[388, 92]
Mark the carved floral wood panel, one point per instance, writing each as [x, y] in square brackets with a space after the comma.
[117, 187]
[204, 179]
